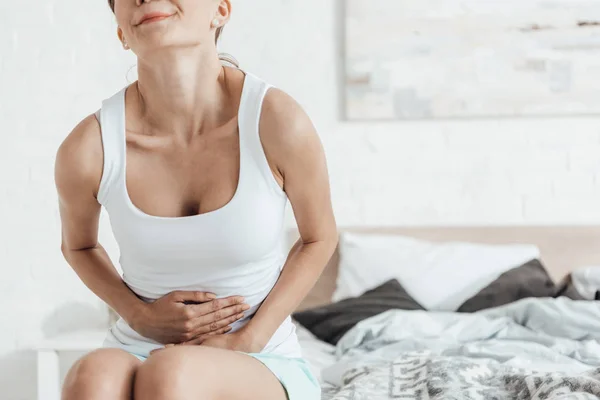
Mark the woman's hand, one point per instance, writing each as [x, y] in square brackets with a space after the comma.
[241, 340]
[182, 316]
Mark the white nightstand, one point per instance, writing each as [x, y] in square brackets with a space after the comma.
[48, 362]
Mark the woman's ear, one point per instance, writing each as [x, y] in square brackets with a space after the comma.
[122, 39]
[224, 11]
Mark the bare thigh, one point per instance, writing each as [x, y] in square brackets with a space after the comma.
[207, 373]
[101, 374]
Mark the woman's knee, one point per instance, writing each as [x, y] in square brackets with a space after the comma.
[101, 374]
[174, 373]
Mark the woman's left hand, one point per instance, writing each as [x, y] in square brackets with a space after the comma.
[238, 341]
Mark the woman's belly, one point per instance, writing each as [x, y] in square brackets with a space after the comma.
[284, 341]
[254, 281]
[254, 284]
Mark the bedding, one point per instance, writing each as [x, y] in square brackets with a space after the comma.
[439, 276]
[529, 280]
[330, 322]
[533, 349]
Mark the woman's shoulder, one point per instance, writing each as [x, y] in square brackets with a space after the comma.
[286, 131]
[79, 157]
[280, 112]
[283, 120]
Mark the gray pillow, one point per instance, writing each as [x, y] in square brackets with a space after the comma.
[331, 322]
[529, 280]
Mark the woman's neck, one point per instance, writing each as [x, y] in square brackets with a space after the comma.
[181, 91]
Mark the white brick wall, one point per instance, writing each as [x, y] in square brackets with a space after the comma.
[58, 59]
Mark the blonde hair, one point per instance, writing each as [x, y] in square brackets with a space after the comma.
[224, 57]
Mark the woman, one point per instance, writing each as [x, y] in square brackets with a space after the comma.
[194, 163]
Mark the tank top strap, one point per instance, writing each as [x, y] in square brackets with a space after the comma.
[112, 127]
[253, 95]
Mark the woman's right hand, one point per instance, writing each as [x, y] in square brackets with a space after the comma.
[183, 315]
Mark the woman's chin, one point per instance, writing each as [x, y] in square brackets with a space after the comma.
[153, 46]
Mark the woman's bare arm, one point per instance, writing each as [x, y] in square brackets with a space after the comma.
[293, 146]
[78, 171]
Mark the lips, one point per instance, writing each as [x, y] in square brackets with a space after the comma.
[153, 17]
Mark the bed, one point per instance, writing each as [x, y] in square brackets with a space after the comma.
[532, 349]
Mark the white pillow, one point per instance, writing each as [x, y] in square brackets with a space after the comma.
[440, 276]
[587, 281]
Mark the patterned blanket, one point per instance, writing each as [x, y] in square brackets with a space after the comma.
[534, 349]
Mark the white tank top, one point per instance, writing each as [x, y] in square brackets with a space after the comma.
[234, 250]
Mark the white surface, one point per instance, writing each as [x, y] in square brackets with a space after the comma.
[58, 59]
[439, 276]
[48, 375]
[75, 341]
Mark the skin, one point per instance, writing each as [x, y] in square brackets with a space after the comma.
[183, 159]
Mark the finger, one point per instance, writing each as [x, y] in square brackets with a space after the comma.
[226, 314]
[221, 331]
[210, 323]
[203, 337]
[182, 296]
[198, 324]
[216, 305]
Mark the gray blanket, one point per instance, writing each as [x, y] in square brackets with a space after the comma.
[532, 349]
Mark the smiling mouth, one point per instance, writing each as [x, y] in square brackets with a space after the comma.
[154, 18]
